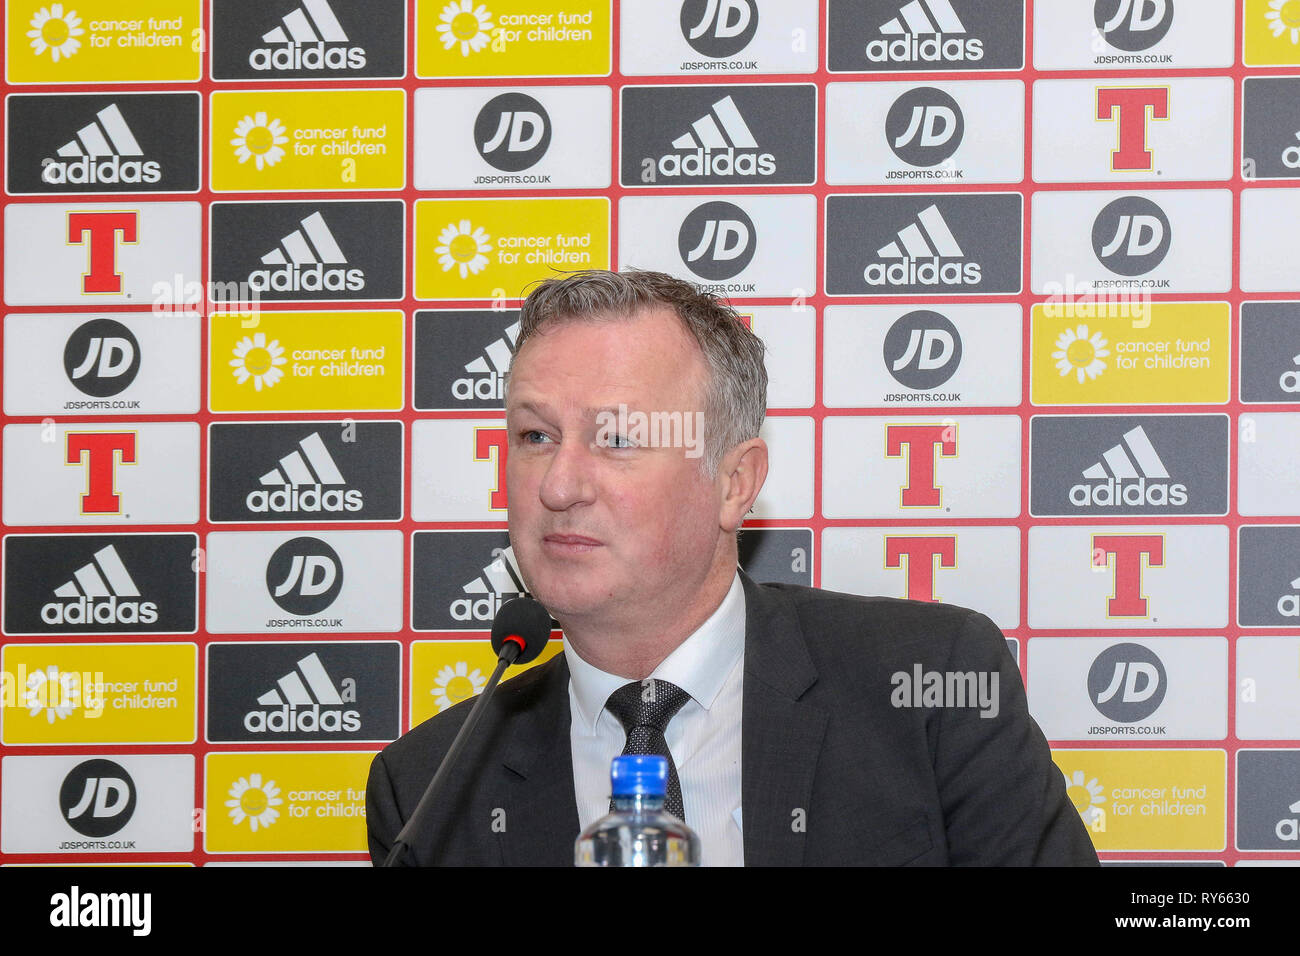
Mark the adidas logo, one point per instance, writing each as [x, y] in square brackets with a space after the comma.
[719, 144]
[297, 702]
[101, 592]
[924, 31]
[307, 39]
[99, 153]
[299, 483]
[916, 256]
[500, 582]
[488, 371]
[1130, 473]
[1288, 605]
[302, 259]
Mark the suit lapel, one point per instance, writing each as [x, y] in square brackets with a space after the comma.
[781, 736]
[541, 819]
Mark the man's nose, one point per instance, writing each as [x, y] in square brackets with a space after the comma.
[569, 478]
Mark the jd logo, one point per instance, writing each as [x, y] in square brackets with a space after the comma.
[1127, 682]
[924, 127]
[922, 349]
[512, 132]
[717, 240]
[1131, 235]
[101, 357]
[97, 798]
[719, 28]
[1133, 24]
[304, 576]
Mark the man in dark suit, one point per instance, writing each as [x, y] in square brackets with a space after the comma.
[802, 726]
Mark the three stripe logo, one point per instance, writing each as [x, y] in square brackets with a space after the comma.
[100, 592]
[920, 17]
[718, 144]
[107, 136]
[104, 576]
[310, 37]
[1130, 474]
[309, 464]
[1139, 461]
[708, 131]
[307, 481]
[308, 684]
[296, 27]
[309, 259]
[500, 581]
[104, 151]
[295, 704]
[487, 373]
[308, 245]
[924, 253]
[925, 32]
[928, 236]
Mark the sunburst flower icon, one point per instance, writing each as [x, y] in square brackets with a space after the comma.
[1077, 352]
[1087, 797]
[56, 31]
[465, 24]
[1283, 18]
[260, 139]
[454, 684]
[463, 245]
[45, 691]
[254, 801]
[258, 360]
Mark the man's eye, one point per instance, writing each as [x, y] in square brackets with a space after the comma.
[619, 441]
[533, 437]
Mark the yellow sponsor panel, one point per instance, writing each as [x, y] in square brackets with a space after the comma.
[1271, 33]
[307, 362]
[295, 140]
[493, 248]
[102, 41]
[1148, 799]
[99, 693]
[512, 38]
[286, 802]
[443, 673]
[1162, 353]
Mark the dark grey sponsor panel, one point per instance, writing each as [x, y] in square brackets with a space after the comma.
[310, 251]
[777, 555]
[1270, 117]
[1268, 576]
[884, 36]
[311, 40]
[305, 471]
[1268, 790]
[1104, 465]
[102, 143]
[753, 135]
[461, 357]
[460, 579]
[101, 584]
[923, 244]
[1270, 345]
[303, 692]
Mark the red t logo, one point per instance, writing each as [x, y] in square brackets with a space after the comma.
[1127, 599]
[924, 444]
[489, 444]
[919, 554]
[103, 228]
[100, 451]
[1134, 105]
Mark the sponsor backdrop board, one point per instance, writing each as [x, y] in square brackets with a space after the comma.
[1024, 273]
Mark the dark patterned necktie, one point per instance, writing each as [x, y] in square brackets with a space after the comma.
[644, 709]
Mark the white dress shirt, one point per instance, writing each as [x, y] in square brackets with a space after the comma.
[704, 736]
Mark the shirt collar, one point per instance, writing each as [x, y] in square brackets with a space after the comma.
[699, 665]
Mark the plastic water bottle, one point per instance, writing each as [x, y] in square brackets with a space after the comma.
[639, 832]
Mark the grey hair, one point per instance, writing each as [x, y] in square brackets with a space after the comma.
[736, 392]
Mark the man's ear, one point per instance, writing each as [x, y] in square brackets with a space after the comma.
[740, 477]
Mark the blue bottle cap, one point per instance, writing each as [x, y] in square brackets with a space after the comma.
[643, 774]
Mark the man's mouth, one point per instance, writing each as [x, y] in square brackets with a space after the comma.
[570, 541]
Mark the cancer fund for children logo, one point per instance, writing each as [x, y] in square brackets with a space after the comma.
[512, 38]
[493, 248]
[296, 140]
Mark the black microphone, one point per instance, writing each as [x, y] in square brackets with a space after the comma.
[519, 633]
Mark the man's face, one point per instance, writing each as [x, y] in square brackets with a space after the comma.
[602, 531]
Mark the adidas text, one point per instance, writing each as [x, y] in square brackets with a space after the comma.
[486, 388]
[1117, 494]
[107, 610]
[477, 609]
[85, 171]
[306, 279]
[932, 49]
[923, 272]
[288, 719]
[721, 162]
[310, 498]
[314, 56]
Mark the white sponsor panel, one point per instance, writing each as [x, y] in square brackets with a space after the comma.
[82, 364]
[92, 254]
[977, 362]
[789, 334]
[531, 137]
[249, 592]
[979, 137]
[1199, 233]
[1145, 34]
[734, 245]
[931, 467]
[723, 36]
[1268, 220]
[148, 807]
[788, 491]
[1173, 688]
[1128, 576]
[978, 568]
[98, 473]
[1268, 687]
[458, 470]
[1133, 128]
[1268, 463]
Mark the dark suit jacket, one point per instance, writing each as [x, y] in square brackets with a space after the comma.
[832, 772]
